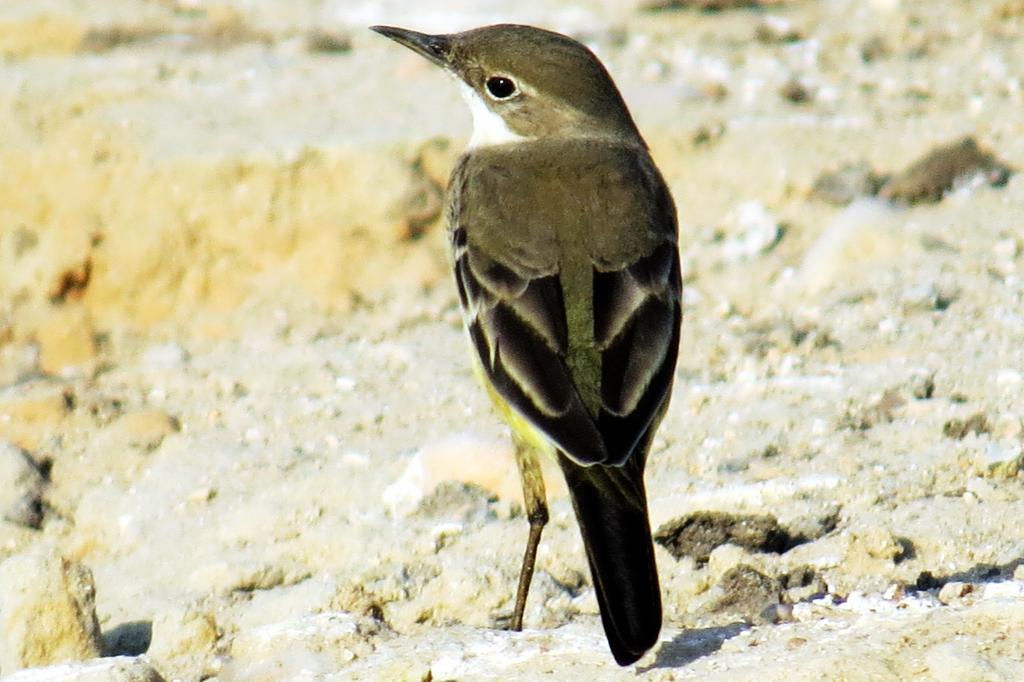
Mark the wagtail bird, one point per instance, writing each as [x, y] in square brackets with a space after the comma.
[563, 242]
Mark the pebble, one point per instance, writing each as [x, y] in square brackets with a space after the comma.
[945, 168]
[842, 186]
[345, 384]
[180, 636]
[919, 297]
[954, 591]
[49, 613]
[922, 385]
[877, 543]
[1004, 254]
[1001, 459]
[748, 592]
[863, 232]
[726, 557]
[777, 29]
[751, 230]
[37, 411]
[470, 459]
[795, 91]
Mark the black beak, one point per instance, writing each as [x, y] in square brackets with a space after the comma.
[433, 47]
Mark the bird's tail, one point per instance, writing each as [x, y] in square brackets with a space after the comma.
[611, 508]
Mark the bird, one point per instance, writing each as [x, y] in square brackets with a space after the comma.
[563, 241]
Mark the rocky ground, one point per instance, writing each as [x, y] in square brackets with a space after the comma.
[239, 435]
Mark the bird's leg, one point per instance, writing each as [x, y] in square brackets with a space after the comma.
[535, 500]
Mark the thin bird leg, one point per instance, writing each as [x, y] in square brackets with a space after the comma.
[535, 500]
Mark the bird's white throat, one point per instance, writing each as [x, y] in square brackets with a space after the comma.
[489, 128]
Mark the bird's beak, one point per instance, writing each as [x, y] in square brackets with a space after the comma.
[436, 48]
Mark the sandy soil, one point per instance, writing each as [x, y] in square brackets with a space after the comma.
[230, 348]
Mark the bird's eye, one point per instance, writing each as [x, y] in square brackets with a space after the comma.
[500, 87]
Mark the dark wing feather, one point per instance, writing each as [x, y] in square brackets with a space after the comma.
[637, 315]
[519, 336]
[508, 266]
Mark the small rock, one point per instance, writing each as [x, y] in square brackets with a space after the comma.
[724, 558]
[456, 501]
[747, 591]
[49, 613]
[707, 134]
[115, 669]
[919, 297]
[21, 487]
[1004, 255]
[877, 543]
[485, 463]
[864, 232]
[776, 29]
[750, 230]
[803, 583]
[31, 418]
[850, 181]
[977, 424]
[714, 90]
[882, 410]
[873, 48]
[180, 637]
[777, 613]
[796, 91]
[943, 169]
[922, 385]
[895, 592]
[1002, 459]
[954, 591]
[697, 535]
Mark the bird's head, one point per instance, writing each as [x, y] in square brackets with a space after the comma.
[525, 83]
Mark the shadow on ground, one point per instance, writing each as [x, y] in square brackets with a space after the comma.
[980, 573]
[128, 639]
[688, 646]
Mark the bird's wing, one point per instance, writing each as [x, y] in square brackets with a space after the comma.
[592, 381]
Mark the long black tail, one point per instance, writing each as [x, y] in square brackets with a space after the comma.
[611, 508]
